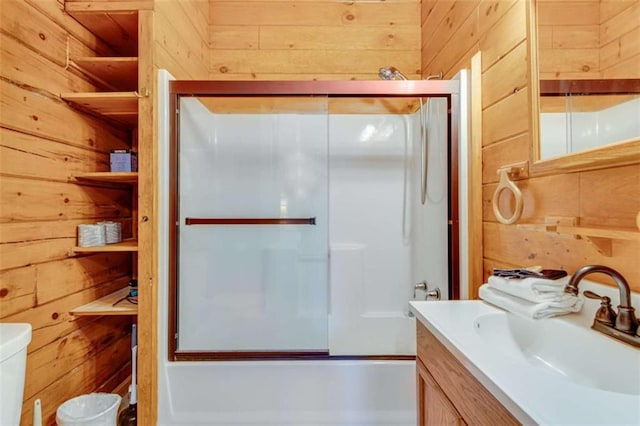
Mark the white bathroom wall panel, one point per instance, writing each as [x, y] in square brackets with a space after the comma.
[377, 229]
[252, 287]
[429, 221]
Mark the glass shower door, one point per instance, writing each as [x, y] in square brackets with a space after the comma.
[252, 231]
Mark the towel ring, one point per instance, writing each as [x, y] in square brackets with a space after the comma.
[507, 184]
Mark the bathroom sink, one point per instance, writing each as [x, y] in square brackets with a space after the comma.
[580, 355]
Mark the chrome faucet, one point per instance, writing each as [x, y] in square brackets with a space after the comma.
[622, 325]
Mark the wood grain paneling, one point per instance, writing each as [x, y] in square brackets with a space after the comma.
[305, 40]
[577, 42]
[506, 77]
[506, 118]
[516, 246]
[622, 23]
[26, 155]
[491, 11]
[42, 142]
[147, 222]
[591, 197]
[619, 32]
[622, 49]
[610, 197]
[570, 39]
[508, 151]
[309, 61]
[234, 37]
[509, 32]
[434, 409]
[576, 36]
[363, 37]
[563, 12]
[37, 112]
[462, 42]
[314, 13]
[17, 290]
[174, 36]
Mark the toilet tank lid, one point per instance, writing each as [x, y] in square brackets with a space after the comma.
[13, 338]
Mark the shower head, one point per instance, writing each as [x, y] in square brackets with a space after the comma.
[438, 76]
[391, 73]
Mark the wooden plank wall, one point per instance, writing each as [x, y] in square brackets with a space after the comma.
[619, 35]
[42, 142]
[181, 31]
[312, 39]
[581, 39]
[452, 32]
[172, 37]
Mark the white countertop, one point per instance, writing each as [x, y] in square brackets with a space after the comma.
[530, 393]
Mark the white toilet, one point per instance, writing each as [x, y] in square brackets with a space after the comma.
[14, 339]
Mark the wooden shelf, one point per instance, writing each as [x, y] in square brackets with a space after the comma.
[600, 237]
[126, 245]
[105, 305]
[118, 106]
[111, 177]
[586, 231]
[115, 73]
[115, 22]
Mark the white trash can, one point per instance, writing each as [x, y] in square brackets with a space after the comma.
[95, 409]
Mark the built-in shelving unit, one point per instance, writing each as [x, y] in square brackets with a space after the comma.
[120, 27]
[126, 245]
[109, 177]
[115, 22]
[115, 73]
[115, 303]
[119, 106]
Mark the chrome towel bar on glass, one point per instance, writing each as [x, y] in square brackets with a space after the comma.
[249, 221]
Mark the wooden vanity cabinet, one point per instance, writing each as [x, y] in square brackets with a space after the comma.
[448, 394]
[434, 408]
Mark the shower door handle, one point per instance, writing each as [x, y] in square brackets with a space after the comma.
[249, 221]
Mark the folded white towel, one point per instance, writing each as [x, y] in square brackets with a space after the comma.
[532, 289]
[564, 304]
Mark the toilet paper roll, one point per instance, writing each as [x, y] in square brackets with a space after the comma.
[90, 235]
[113, 231]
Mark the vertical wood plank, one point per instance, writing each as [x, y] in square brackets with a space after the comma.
[147, 224]
[475, 179]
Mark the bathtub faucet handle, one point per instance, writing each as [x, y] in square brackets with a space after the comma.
[422, 285]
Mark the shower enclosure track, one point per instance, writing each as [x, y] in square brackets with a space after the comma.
[448, 89]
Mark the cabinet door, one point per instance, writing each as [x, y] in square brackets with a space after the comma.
[434, 408]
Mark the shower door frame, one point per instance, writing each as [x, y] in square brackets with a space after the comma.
[448, 89]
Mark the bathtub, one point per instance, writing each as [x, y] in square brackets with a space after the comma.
[288, 393]
[282, 393]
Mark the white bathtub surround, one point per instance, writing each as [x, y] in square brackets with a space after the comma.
[554, 371]
[373, 248]
[289, 393]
